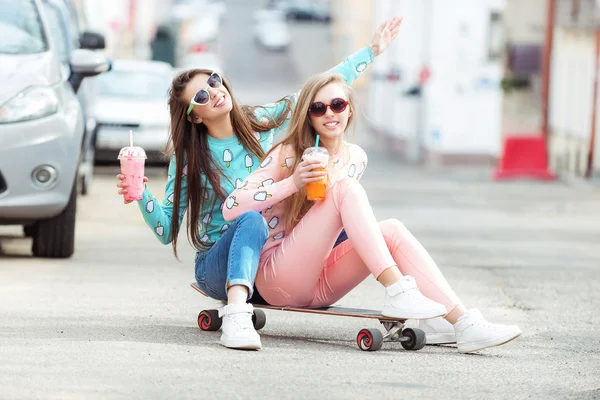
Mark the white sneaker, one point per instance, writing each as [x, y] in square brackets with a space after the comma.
[438, 331]
[474, 333]
[403, 300]
[238, 330]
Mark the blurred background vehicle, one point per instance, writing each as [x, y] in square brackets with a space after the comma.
[307, 10]
[217, 8]
[42, 125]
[132, 96]
[204, 28]
[271, 30]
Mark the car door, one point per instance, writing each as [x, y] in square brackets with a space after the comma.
[59, 36]
[66, 30]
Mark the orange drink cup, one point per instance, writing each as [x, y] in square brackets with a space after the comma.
[317, 190]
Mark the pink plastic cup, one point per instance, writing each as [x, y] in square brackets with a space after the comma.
[133, 160]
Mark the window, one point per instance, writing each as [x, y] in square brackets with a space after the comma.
[21, 28]
[496, 37]
[57, 32]
[73, 19]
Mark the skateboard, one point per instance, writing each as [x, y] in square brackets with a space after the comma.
[367, 339]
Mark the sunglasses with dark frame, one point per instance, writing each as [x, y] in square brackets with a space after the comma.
[318, 109]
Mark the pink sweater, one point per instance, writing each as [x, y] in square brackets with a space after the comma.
[271, 183]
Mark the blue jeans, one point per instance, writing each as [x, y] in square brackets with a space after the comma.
[233, 259]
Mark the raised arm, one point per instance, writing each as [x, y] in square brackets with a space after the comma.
[159, 216]
[350, 69]
[271, 183]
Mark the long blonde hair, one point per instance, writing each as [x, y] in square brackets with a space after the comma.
[302, 135]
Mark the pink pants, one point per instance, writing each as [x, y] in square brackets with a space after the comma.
[304, 270]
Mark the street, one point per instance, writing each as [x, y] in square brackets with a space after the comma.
[118, 319]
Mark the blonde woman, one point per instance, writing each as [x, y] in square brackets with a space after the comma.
[299, 265]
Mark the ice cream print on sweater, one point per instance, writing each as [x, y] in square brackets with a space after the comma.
[279, 236]
[159, 229]
[352, 170]
[362, 169]
[261, 196]
[150, 205]
[230, 203]
[248, 162]
[266, 182]
[239, 184]
[361, 67]
[205, 239]
[227, 157]
[266, 162]
[273, 222]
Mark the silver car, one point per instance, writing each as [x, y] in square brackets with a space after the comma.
[41, 125]
[132, 96]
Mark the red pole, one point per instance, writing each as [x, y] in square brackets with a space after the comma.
[545, 89]
[590, 163]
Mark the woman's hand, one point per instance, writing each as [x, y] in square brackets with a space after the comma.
[122, 185]
[304, 172]
[386, 33]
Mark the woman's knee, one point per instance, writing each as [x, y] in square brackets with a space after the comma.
[254, 222]
[347, 186]
[391, 229]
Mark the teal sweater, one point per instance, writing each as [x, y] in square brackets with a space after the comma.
[235, 162]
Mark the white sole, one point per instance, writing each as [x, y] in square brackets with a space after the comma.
[240, 344]
[471, 347]
[403, 314]
[440, 338]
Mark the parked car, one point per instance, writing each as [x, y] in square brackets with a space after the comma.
[132, 96]
[41, 124]
[271, 29]
[317, 10]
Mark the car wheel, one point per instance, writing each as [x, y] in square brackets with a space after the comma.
[55, 237]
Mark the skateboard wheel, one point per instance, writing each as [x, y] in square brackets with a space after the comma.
[209, 320]
[415, 339]
[369, 339]
[259, 319]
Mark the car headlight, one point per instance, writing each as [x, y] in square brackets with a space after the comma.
[33, 103]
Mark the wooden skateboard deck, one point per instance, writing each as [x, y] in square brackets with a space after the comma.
[334, 310]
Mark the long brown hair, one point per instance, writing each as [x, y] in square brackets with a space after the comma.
[188, 142]
[302, 135]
